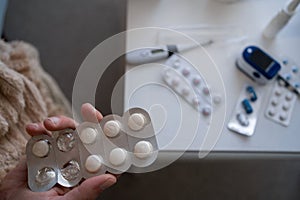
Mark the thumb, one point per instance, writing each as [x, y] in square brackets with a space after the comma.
[90, 114]
[92, 187]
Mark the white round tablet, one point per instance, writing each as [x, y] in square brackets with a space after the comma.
[117, 156]
[206, 111]
[275, 101]
[176, 64]
[167, 74]
[111, 128]
[286, 106]
[143, 149]
[41, 148]
[196, 101]
[289, 96]
[278, 92]
[272, 111]
[136, 121]
[175, 82]
[93, 163]
[217, 99]
[283, 116]
[88, 135]
[185, 91]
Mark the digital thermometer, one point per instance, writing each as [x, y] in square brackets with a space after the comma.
[257, 64]
[152, 54]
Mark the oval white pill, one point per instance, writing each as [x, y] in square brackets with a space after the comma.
[143, 149]
[136, 121]
[93, 163]
[88, 135]
[40, 148]
[111, 128]
[117, 156]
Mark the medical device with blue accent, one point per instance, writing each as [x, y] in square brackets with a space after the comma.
[258, 65]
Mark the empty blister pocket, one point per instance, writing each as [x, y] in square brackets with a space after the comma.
[67, 157]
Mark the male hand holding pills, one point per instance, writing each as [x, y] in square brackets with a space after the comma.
[14, 185]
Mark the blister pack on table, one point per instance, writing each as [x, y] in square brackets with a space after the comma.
[184, 79]
[244, 116]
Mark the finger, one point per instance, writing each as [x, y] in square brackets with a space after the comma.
[59, 190]
[90, 114]
[18, 175]
[34, 129]
[116, 175]
[92, 187]
[58, 123]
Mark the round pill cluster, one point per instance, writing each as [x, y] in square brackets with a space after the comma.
[113, 129]
[290, 74]
[92, 149]
[280, 105]
[186, 81]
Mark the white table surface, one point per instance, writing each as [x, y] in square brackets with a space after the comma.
[250, 16]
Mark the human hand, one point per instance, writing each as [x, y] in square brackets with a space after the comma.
[14, 185]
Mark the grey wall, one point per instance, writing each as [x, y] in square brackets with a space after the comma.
[3, 5]
[65, 31]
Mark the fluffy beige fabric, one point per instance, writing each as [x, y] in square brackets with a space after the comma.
[27, 94]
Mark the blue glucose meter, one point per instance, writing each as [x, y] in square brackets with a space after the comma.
[257, 64]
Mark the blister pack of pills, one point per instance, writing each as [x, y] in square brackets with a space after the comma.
[244, 117]
[281, 103]
[187, 82]
[290, 74]
[113, 145]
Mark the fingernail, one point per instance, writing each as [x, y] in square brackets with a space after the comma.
[32, 125]
[54, 120]
[109, 182]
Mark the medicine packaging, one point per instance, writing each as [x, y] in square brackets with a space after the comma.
[113, 145]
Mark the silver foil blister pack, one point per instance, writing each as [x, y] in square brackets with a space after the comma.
[113, 145]
[244, 116]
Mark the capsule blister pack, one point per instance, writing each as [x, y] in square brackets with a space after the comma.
[244, 117]
[113, 145]
[290, 74]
